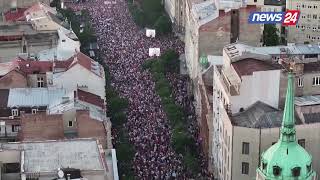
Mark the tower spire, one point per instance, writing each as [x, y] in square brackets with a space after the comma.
[288, 132]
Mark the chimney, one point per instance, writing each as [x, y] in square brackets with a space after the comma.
[235, 25]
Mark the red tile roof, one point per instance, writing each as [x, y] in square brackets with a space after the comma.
[85, 62]
[15, 15]
[89, 98]
[31, 66]
[246, 67]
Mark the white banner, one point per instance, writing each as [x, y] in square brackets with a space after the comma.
[154, 52]
[150, 33]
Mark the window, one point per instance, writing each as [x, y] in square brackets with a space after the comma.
[24, 49]
[316, 81]
[264, 166]
[40, 82]
[245, 168]
[255, 1]
[245, 148]
[15, 112]
[15, 128]
[315, 16]
[276, 170]
[302, 142]
[296, 172]
[63, 40]
[300, 82]
[311, 56]
[70, 123]
[34, 111]
[309, 168]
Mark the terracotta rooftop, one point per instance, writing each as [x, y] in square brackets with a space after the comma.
[246, 67]
[90, 98]
[17, 15]
[87, 63]
[31, 66]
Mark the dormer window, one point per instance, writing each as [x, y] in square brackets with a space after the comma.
[308, 168]
[264, 166]
[15, 112]
[296, 172]
[34, 111]
[276, 170]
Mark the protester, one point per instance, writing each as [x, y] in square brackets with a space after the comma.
[125, 47]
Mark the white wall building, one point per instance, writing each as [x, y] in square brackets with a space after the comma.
[83, 73]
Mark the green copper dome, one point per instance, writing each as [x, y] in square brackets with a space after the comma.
[204, 61]
[286, 159]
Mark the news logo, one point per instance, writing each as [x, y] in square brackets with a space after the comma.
[288, 18]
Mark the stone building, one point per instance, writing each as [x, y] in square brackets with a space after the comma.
[286, 159]
[248, 95]
[307, 29]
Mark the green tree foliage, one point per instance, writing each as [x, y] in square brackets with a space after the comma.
[118, 119]
[163, 25]
[150, 13]
[270, 35]
[117, 104]
[171, 61]
[182, 142]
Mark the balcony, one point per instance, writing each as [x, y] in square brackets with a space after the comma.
[232, 89]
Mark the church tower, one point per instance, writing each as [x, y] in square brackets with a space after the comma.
[286, 160]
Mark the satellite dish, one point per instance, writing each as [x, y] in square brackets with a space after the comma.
[60, 174]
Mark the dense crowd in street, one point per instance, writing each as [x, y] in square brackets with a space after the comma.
[125, 48]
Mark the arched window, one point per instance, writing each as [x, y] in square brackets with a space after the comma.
[296, 172]
[276, 170]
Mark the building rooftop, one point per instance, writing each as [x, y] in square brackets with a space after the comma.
[237, 50]
[311, 117]
[90, 98]
[258, 115]
[28, 97]
[21, 28]
[6, 68]
[15, 15]
[307, 100]
[231, 4]
[205, 11]
[311, 67]
[48, 156]
[247, 66]
[87, 63]
[275, 2]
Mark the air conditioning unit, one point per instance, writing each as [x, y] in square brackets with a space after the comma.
[11, 117]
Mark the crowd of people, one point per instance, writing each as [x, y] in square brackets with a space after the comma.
[125, 47]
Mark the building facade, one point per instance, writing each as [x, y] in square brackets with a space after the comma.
[307, 29]
[247, 96]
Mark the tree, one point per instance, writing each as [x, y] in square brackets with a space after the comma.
[170, 61]
[270, 35]
[163, 25]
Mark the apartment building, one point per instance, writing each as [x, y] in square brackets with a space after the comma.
[55, 74]
[81, 159]
[248, 95]
[307, 29]
[176, 12]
